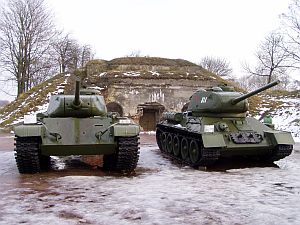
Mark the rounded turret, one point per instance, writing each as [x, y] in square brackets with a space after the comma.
[86, 105]
[218, 103]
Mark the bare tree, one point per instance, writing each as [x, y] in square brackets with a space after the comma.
[63, 48]
[135, 53]
[26, 31]
[291, 27]
[70, 55]
[273, 58]
[250, 82]
[86, 55]
[218, 66]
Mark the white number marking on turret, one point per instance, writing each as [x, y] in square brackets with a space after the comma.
[203, 100]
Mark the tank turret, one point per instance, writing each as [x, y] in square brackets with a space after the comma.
[218, 103]
[216, 127]
[76, 105]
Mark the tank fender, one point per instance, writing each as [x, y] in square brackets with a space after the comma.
[213, 140]
[279, 137]
[32, 130]
[125, 130]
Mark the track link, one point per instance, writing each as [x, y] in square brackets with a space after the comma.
[280, 152]
[126, 157]
[28, 157]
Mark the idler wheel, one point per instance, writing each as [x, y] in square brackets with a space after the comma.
[158, 138]
[176, 145]
[184, 148]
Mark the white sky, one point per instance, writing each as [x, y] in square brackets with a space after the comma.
[186, 29]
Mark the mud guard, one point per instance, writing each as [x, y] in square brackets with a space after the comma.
[213, 140]
[29, 130]
[279, 137]
[125, 130]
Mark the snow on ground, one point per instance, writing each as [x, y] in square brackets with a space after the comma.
[161, 192]
[154, 73]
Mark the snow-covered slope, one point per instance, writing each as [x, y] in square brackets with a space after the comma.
[32, 102]
[285, 112]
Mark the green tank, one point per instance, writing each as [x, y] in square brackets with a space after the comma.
[216, 126]
[76, 125]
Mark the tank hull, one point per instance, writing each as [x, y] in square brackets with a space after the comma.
[118, 142]
[203, 141]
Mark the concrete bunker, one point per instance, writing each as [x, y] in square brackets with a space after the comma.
[150, 113]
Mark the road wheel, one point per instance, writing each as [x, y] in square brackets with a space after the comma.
[169, 144]
[176, 145]
[163, 142]
[184, 148]
[194, 152]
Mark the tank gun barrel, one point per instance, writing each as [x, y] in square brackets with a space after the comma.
[241, 98]
[77, 102]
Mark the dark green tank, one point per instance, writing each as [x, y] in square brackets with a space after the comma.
[76, 125]
[216, 126]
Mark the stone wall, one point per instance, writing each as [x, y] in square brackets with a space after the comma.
[143, 91]
[172, 96]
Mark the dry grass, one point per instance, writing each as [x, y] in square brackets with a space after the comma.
[28, 102]
[150, 61]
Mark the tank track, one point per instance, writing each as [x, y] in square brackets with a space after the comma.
[280, 152]
[207, 156]
[127, 156]
[28, 157]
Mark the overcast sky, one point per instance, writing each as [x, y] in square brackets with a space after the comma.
[186, 29]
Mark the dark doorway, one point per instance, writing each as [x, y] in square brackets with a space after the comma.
[185, 107]
[114, 107]
[150, 114]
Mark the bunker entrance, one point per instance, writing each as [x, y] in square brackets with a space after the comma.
[114, 107]
[150, 113]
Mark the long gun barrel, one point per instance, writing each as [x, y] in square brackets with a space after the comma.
[77, 102]
[241, 98]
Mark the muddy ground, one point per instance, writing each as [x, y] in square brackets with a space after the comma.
[160, 192]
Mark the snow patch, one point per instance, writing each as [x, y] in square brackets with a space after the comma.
[132, 74]
[154, 73]
[287, 116]
[102, 74]
[38, 109]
